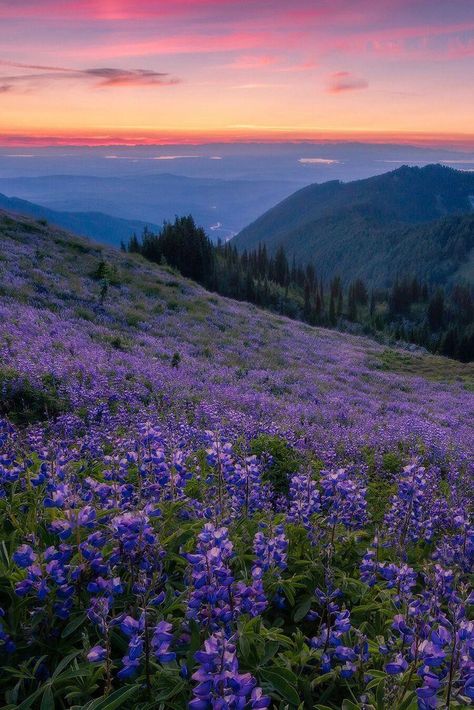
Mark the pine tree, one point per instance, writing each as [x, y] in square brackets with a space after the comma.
[435, 312]
[332, 310]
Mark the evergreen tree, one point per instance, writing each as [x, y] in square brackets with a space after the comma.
[435, 312]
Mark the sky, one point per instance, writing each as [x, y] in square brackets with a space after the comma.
[102, 72]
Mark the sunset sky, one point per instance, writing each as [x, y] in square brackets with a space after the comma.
[157, 71]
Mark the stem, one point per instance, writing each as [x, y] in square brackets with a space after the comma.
[413, 666]
[451, 669]
[108, 662]
[147, 654]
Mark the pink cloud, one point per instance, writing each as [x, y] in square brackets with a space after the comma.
[412, 42]
[100, 77]
[120, 10]
[184, 44]
[299, 67]
[341, 81]
[253, 62]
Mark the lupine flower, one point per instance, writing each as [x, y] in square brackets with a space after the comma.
[342, 499]
[96, 654]
[24, 556]
[304, 500]
[219, 683]
[271, 550]
[161, 641]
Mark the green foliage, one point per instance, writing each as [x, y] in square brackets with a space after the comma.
[106, 272]
[24, 402]
[378, 499]
[175, 360]
[182, 245]
[283, 460]
[392, 461]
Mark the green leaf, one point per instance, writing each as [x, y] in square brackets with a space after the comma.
[114, 700]
[63, 663]
[279, 679]
[349, 705]
[73, 625]
[177, 688]
[409, 703]
[244, 646]
[302, 609]
[270, 650]
[26, 704]
[47, 701]
[376, 673]
[81, 672]
[322, 679]
[380, 695]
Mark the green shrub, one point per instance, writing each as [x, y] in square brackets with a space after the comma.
[25, 403]
[175, 360]
[379, 494]
[284, 460]
[106, 272]
[392, 462]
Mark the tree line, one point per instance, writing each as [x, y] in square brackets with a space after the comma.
[437, 318]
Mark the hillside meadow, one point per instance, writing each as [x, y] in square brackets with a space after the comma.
[205, 505]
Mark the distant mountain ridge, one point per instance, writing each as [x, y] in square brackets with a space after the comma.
[419, 220]
[221, 206]
[95, 225]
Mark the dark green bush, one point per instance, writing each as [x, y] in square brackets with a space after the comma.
[284, 460]
[24, 402]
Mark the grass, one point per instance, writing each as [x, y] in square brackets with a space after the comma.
[430, 367]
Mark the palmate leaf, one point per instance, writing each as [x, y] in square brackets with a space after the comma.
[271, 649]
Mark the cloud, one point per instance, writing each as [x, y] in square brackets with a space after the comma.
[258, 85]
[172, 43]
[272, 63]
[132, 77]
[252, 62]
[341, 81]
[318, 161]
[99, 77]
[300, 67]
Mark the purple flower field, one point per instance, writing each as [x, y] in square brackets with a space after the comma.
[205, 505]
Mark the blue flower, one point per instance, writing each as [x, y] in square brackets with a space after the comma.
[24, 556]
[96, 654]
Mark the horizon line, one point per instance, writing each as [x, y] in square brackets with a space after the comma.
[123, 139]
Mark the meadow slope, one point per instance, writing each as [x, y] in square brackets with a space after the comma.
[205, 505]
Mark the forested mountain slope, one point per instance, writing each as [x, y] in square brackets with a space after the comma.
[416, 220]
